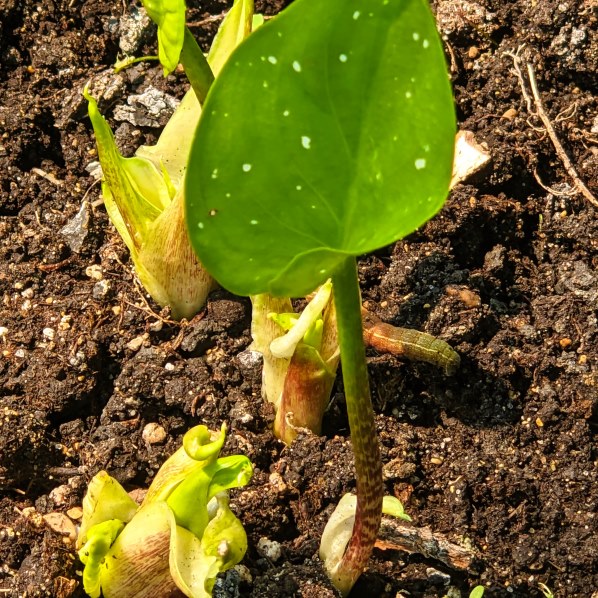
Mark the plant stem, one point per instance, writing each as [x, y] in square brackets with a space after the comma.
[196, 67]
[368, 465]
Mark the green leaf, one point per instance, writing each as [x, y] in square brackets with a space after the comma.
[229, 472]
[169, 16]
[477, 592]
[189, 500]
[194, 565]
[394, 507]
[101, 538]
[284, 346]
[237, 25]
[331, 132]
[200, 445]
[105, 500]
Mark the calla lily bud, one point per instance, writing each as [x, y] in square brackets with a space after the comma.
[180, 538]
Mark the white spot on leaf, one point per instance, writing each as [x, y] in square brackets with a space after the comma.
[286, 113]
[298, 187]
[408, 94]
[415, 35]
[356, 15]
[343, 58]
[246, 167]
[253, 222]
[272, 59]
[200, 225]
[297, 66]
[306, 142]
[425, 43]
[215, 173]
[420, 163]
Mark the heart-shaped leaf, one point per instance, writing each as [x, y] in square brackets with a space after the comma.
[328, 133]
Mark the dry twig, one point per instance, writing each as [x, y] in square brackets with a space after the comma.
[535, 107]
[398, 536]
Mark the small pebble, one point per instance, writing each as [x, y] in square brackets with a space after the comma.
[100, 289]
[3, 331]
[277, 481]
[49, 333]
[244, 573]
[473, 52]
[65, 322]
[94, 272]
[135, 343]
[75, 230]
[153, 433]
[61, 524]
[61, 494]
[438, 577]
[156, 326]
[269, 548]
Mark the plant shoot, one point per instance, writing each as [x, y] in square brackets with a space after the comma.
[342, 144]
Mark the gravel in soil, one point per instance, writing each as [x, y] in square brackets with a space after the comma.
[500, 458]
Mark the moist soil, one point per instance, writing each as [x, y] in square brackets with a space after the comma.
[499, 459]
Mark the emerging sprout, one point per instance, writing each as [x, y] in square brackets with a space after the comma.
[299, 365]
[337, 532]
[144, 195]
[181, 536]
[350, 150]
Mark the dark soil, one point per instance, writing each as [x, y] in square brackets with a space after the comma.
[501, 457]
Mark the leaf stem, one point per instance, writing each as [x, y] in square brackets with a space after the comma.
[196, 67]
[368, 465]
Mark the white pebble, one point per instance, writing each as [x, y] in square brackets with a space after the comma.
[271, 549]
